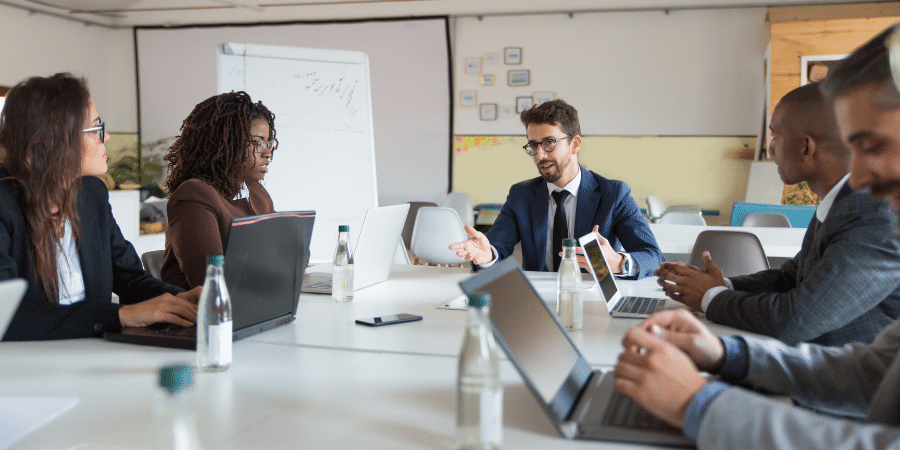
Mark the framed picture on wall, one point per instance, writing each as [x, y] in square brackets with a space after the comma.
[488, 111]
[473, 65]
[487, 80]
[813, 68]
[543, 97]
[518, 78]
[523, 103]
[468, 98]
[512, 55]
[491, 58]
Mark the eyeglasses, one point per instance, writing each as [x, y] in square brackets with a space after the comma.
[260, 145]
[101, 129]
[547, 144]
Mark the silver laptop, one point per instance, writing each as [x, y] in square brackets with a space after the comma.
[11, 292]
[616, 304]
[373, 254]
[579, 401]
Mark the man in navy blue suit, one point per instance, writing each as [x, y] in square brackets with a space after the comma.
[589, 202]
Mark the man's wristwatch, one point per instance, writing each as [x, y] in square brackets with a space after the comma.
[626, 264]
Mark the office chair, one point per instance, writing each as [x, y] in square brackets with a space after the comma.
[411, 221]
[462, 203]
[734, 252]
[681, 218]
[774, 220]
[153, 261]
[655, 208]
[435, 229]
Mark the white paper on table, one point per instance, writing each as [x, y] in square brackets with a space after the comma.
[20, 416]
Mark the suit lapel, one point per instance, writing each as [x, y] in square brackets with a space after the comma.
[540, 203]
[588, 203]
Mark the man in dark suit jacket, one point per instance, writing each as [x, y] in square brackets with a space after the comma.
[844, 285]
[589, 202]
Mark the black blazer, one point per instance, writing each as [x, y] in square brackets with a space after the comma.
[109, 264]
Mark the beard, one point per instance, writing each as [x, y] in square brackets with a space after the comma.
[553, 175]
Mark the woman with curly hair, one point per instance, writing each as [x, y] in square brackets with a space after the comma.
[216, 166]
[56, 228]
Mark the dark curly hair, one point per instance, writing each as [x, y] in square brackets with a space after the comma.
[555, 112]
[214, 142]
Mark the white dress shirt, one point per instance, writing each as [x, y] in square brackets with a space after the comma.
[68, 269]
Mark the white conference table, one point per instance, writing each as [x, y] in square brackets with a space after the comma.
[320, 382]
[678, 240]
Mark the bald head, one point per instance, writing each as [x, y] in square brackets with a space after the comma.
[807, 112]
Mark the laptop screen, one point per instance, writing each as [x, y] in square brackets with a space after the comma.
[601, 270]
[533, 336]
[263, 260]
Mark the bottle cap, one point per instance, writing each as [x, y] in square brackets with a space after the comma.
[479, 300]
[176, 378]
[343, 228]
[568, 242]
[216, 260]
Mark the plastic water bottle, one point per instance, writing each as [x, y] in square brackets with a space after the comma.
[174, 424]
[479, 394]
[569, 307]
[342, 270]
[214, 327]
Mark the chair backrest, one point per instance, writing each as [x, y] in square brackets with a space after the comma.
[734, 252]
[775, 220]
[434, 231]
[462, 203]
[411, 221]
[655, 207]
[681, 218]
[692, 209]
[153, 262]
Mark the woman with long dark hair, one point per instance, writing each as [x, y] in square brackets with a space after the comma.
[216, 167]
[56, 226]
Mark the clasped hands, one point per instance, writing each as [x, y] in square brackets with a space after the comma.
[661, 361]
[686, 283]
[477, 249]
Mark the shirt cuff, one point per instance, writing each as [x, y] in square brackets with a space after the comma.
[632, 267]
[729, 284]
[737, 358]
[710, 295]
[493, 261]
[693, 417]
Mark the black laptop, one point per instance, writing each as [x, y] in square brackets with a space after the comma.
[264, 263]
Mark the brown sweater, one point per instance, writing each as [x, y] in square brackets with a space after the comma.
[199, 220]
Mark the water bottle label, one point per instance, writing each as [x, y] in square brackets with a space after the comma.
[492, 416]
[220, 340]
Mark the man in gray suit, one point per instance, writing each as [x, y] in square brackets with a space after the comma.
[844, 285]
[660, 365]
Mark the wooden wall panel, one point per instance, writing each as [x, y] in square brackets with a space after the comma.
[791, 40]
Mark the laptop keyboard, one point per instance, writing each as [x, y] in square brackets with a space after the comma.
[170, 329]
[324, 284]
[640, 305]
[624, 412]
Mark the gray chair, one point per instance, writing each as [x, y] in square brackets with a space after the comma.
[681, 218]
[153, 262]
[655, 208]
[772, 220]
[434, 231]
[734, 252]
[462, 203]
[411, 221]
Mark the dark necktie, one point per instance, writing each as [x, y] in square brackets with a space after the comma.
[560, 226]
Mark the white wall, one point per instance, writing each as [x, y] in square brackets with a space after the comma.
[636, 73]
[43, 45]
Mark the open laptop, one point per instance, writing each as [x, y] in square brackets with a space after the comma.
[11, 292]
[373, 254]
[616, 304]
[264, 263]
[579, 401]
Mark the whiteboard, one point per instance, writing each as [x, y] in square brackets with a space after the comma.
[322, 103]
